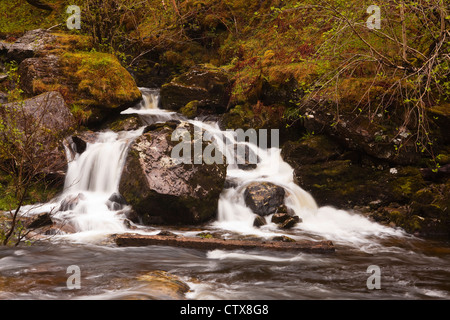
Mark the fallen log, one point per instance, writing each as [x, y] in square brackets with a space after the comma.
[137, 240]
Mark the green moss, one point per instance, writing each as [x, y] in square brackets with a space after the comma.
[205, 235]
[17, 16]
[190, 109]
[407, 185]
[101, 79]
[241, 116]
[424, 196]
[38, 192]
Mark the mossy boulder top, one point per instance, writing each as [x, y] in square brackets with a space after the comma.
[94, 82]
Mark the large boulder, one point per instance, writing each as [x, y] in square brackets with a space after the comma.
[161, 189]
[37, 72]
[29, 45]
[264, 198]
[210, 87]
[94, 84]
[43, 121]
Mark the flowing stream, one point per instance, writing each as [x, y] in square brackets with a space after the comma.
[411, 268]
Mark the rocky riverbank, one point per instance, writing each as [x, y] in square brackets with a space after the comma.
[366, 162]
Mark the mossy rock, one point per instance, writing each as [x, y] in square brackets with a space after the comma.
[125, 123]
[191, 109]
[317, 148]
[94, 82]
[209, 86]
[101, 79]
[254, 116]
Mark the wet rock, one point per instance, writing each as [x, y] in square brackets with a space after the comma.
[264, 198]
[162, 189]
[130, 214]
[127, 224]
[259, 221]
[162, 283]
[113, 206]
[245, 157]
[289, 222]
[39, 221]
[279, 217]
[70, 202]
[284, 209]
[210, 87]
[230, 184]
[117, 197]
[126, 123]
[78, 142]
[167, 233]
[285, 221]
[116, 202]
[283, 239]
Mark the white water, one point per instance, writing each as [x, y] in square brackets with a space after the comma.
[96, 174]
[233, 215]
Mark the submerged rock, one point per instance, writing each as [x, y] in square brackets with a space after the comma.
[161, 189]
[164, 284]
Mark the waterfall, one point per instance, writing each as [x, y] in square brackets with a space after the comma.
[234, 215]
[94, 175]
[92, 179]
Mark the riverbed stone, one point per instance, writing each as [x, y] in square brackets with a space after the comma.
[259, 221]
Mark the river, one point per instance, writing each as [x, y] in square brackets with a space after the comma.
[406, 267]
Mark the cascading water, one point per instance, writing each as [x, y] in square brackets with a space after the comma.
[93, 177]
[235, 216]
[411, 268]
